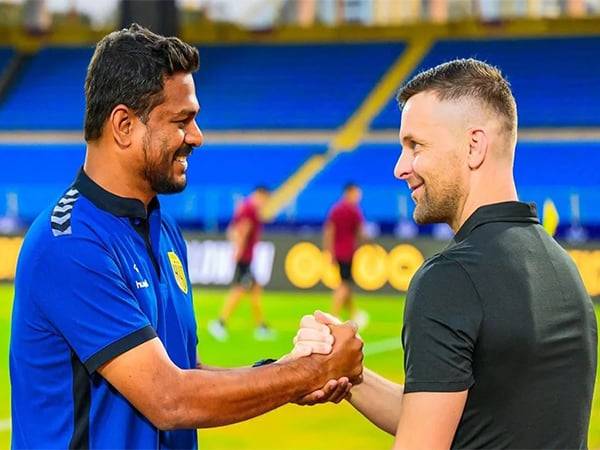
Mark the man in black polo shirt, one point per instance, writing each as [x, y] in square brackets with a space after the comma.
[499, 333]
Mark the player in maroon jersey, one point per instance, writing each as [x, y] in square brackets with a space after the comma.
[343, 230]
[244, 232]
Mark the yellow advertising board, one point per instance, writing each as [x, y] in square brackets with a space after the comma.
[293, 264]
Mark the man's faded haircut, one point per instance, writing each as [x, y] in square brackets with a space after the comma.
[466, 79]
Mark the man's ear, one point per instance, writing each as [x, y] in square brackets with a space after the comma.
[121, 122]
[478, 148]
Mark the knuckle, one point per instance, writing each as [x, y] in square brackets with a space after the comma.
[306, 319]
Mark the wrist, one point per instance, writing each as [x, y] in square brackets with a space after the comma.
[312, 371]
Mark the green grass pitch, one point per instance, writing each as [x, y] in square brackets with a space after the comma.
[291, 427]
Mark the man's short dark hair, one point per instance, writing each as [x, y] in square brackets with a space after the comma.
[466, 78]
[128, 67]
[350, 185]
[263, 189]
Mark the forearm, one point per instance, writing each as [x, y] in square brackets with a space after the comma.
[211, 368]
[379, 400]
[206, 398]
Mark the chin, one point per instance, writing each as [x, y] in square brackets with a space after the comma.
[425, 218]
[171, 187]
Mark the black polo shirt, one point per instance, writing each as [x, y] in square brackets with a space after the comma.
[502, 312]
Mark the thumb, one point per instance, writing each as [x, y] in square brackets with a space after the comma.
[352, 325]
[326, 319]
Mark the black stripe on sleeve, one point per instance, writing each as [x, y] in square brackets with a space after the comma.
[118, 347]
[81, 405]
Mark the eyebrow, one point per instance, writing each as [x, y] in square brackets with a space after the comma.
[187, 112]
[408, 138]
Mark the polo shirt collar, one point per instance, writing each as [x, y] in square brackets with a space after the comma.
[498, 212]
[118, 206]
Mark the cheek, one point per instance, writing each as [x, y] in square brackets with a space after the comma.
[175, 140]
[421, 164]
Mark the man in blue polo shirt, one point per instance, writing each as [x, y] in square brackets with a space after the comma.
[103, 346]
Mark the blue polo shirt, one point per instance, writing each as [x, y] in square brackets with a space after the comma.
[97, 276]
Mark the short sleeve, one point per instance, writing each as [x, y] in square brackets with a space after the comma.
[85, 298]
[442, 318]
[360, 219]
[332, 216]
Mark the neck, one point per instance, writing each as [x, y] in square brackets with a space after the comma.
[486, 191]
[102, 166]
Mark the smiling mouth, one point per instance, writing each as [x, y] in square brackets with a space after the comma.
[183, 161]
[181, 157]
[414, 190]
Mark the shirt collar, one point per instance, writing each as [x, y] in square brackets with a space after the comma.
[118, 206]
[498, 212]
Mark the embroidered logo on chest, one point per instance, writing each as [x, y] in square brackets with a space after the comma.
[178, 271]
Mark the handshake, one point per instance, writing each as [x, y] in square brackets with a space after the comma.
[335, 349]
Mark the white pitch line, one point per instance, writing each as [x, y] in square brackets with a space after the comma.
[383, 346]
[5, 424]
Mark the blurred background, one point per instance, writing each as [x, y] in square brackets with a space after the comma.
[299, 95]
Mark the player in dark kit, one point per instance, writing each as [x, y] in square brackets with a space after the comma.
[500, 335]
[244, 232]
[343, 230]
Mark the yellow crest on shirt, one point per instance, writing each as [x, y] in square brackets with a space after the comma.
[178, 271]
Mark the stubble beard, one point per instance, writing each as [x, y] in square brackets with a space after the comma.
[439, 207]
[159, 174]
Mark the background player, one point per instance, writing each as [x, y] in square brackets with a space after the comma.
[342, 231]
[244, 232]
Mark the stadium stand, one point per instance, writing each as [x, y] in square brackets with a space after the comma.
[51, 83]
[5, 56]
[217, 176]
[239, 87]
[555, 80]
[294, 86]
[277, 87]
[555, 170]
[221, 173]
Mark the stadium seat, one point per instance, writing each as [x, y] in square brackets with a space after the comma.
[555, 80]
[239, 87]
[217, 176]
[287, 86]
[49, 94]
[6, 55]
[556, 170]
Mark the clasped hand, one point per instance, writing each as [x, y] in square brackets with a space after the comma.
[338, 346]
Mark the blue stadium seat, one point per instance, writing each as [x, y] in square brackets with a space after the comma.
[371, 166]
[217, 176]
[288, 86]
[555, 81]
[6, 55]
[221, 173]
[555, 170]
[49, 95]
[239, 87]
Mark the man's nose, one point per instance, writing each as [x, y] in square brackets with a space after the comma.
[403, 167]
[193, 135]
